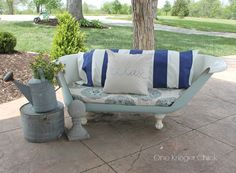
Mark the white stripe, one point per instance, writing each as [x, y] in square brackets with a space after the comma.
[124, 51]
[97, 62]
[173, 69]
[80, 62]
[148, 52]
[195, 54]
[152, 52]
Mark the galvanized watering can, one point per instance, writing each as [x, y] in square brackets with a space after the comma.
[39, 92]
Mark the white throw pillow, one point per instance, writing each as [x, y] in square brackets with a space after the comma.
[128, 74]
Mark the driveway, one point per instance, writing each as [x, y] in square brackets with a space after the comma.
[106, 20]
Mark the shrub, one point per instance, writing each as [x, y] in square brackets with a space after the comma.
[68, 38]
[7, 42]
[90, 24]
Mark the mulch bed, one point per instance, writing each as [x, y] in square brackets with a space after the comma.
[50, 22]
[19, 64]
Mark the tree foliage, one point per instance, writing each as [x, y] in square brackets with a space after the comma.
[206, 8]
[232, 9]
[52, 4]
[115, 7]
[180, 8]
[167, 7]
[48, 4]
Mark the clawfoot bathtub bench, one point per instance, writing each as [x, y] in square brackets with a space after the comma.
[81, 99]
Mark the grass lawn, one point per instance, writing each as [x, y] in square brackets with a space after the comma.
[218, 25]
[36, 38]
[202, 24]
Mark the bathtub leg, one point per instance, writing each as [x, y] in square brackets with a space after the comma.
[159, 118]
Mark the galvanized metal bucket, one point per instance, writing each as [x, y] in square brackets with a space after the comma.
[42, 127]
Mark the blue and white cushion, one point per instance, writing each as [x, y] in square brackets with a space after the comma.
[155, 97]
[171, 69]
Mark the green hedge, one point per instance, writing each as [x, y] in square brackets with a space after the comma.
[7, 42]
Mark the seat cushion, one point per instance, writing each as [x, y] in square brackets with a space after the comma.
[155, 97]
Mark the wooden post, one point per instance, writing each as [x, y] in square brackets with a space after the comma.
[143, 24]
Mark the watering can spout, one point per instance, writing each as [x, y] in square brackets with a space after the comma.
[25, 90]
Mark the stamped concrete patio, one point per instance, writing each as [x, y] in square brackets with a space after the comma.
[199, 138]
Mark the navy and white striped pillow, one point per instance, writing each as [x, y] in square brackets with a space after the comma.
[171, 69]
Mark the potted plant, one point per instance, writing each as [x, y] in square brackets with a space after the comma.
[49, 68]
[40, 90]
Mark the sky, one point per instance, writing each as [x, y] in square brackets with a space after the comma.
[98, 3]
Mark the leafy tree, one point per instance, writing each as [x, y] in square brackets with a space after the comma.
[38, 4]
[126, 9]
[180, 8]
[10, 5]
[107, 7]
[206, 8]
[232, 8]
[227, 13]
[194, 9]
[52, 4]
[167, 7]
[210, 8]
[116, 7]
[2, 6]
[49, 4]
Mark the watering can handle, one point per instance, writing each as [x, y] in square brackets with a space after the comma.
[8, 77]
[41, 74]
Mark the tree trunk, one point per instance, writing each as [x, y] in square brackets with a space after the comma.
[143, 24]
[10, 5]
[75, 8]
[154, 8]
[38, 8]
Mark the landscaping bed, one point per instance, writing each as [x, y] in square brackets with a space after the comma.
[50, 22]
[19, 64]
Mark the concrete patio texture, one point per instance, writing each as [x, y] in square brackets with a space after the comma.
[201, 137]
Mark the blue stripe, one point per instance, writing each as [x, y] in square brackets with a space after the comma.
[87, 66]
[115, 50]
[160, 69]
[136, 51]
[186, 60]
[104, 65]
